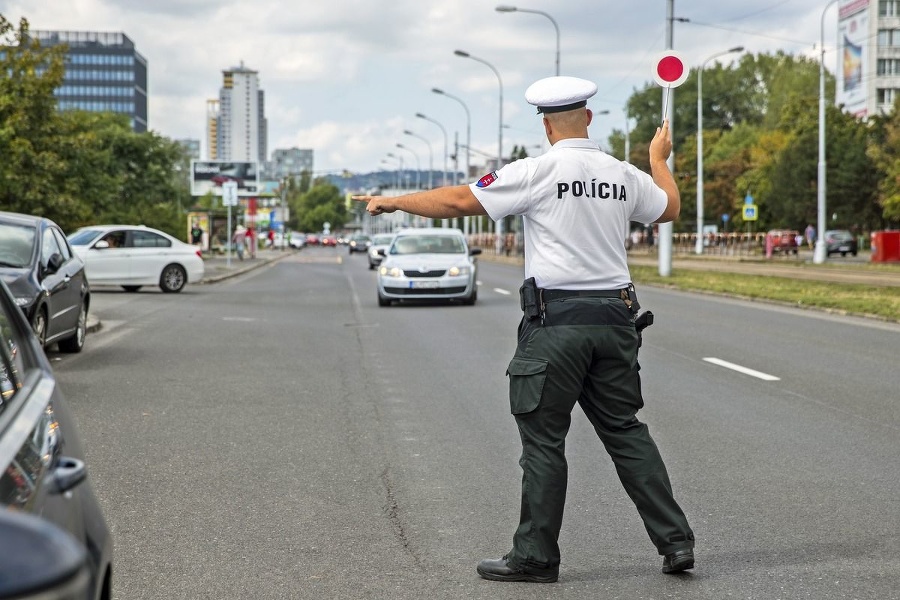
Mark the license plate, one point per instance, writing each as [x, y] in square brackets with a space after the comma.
[424, 284]
[844, 249]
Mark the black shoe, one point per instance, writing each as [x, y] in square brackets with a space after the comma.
[499, 570]
[678, 561]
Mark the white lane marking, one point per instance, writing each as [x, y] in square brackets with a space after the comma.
[500, 291]
[740, 369]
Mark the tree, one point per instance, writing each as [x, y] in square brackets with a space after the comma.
[884, 149]
[323, 203]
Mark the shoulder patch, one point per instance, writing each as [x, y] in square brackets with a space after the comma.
[487, 180]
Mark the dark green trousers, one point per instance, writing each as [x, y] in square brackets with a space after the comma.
[585, 351]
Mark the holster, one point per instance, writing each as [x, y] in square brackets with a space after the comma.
[530, 299]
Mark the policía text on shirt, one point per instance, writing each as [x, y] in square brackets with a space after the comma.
[592, 189]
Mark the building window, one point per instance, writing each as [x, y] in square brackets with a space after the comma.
[888, 8]
[888, 66]
[886, 95]
[888, 38]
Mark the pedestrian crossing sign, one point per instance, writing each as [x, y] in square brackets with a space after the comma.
[750, 212]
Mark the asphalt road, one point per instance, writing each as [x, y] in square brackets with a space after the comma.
[278, 435]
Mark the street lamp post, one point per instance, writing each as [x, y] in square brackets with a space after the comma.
[698, 249]
[418, 166]
[399, 159]
[444, 131]
[468, 125]
[505, 8]
[430, 157]
[819, 254]
[498, 243]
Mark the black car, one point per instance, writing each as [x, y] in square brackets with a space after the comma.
[840, 241]
[359, 243]
[42, 463]
[46, 278]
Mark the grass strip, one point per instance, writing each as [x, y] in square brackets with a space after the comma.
[855, 299]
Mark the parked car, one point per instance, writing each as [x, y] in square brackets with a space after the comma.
[47, 279]
[784, 240]
[429, 263]
[380, 244]
[329, 240]
[840, 241]
[297, 240]
[42, 463]
[359, 243]
[312, 239]
[133, 256]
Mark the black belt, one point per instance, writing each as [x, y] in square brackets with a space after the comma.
[551, 295]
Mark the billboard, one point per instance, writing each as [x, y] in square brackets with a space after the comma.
[209, 175]
[853, 56]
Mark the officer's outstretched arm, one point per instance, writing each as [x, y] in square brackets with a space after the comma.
[441, 203]
[660, 148]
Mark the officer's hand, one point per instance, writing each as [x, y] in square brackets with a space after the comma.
[661, 146]
[376, 205]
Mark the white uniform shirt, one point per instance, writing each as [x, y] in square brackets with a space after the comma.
[576, 202]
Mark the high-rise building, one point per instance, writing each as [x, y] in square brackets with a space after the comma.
[291, 161]
[868, 65]
[104, 72]
[212, 130]
[241, 124]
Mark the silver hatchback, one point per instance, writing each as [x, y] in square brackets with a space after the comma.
[428, 264]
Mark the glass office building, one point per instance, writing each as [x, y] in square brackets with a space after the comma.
[104, 72]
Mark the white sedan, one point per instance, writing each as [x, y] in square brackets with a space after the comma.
[134, 256]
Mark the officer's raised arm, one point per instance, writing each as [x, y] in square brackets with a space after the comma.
[440, 203]
[660, 148]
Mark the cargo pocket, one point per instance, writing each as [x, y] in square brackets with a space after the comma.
[526, 384]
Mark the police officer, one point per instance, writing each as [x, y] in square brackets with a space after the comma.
[578, 340]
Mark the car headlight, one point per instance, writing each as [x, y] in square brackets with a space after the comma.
[391, 272]
[457, 271]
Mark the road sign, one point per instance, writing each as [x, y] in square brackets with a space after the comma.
[748, 199]
[230, 193]
[670, 70]
[725, 217]
[750, 212]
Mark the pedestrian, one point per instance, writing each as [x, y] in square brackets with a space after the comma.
[272, 239]
[240, 240]
[810, 234]
[578, 340]
[197, 235]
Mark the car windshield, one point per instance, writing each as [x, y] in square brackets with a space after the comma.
[382, 240]
[83, 237]
[16, 245]
[428, 244]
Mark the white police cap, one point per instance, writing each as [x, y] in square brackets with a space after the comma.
[560, 93]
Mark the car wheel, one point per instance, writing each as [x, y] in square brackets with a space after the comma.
[470, 301]
[39, 326]
[131, 288]
[371, 266]
[853, 253]
[382, 301]
[843, 254]
[172, 279]
[75, 343]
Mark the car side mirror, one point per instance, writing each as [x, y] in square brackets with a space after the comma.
[54, 262]
[474, 251]
[101, 245]
[380, 252]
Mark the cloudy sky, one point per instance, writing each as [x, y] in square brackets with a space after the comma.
[347, 77]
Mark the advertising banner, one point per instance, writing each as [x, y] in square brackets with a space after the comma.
[853, 56]
[209, 175]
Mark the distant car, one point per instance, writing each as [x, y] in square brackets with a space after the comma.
[329, 240]
[840, 241]
[359, 243]
[312, 239]
[428, 264]
[47, 279]
[42, 463]
[784, 240]
[134, 256]
[379, 246]
[297, 240]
